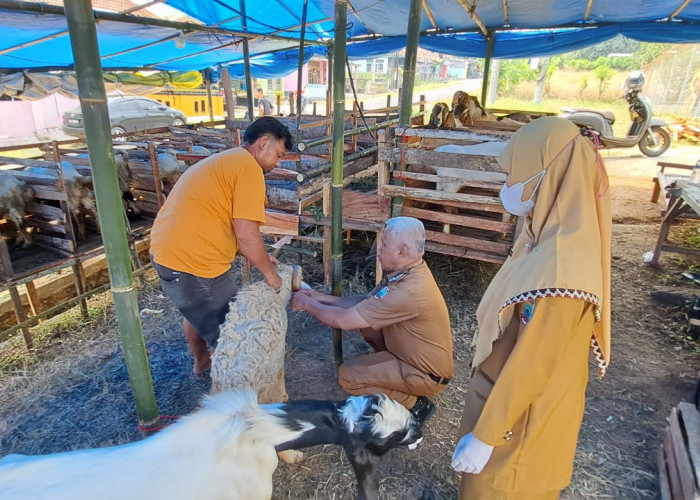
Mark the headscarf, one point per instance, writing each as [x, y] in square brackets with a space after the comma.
[564, 247]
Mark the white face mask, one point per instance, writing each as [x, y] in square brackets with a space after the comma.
[512, 196]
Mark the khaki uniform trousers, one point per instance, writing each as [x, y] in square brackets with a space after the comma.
[382, 372]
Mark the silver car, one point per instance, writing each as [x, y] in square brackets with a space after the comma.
[127, 114]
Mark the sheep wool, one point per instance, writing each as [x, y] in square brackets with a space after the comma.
[250, 350]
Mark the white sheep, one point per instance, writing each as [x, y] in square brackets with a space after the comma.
[225, 450]
[250, 349]
[170, 168]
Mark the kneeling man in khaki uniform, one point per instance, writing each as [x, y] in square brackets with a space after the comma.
[404, 318]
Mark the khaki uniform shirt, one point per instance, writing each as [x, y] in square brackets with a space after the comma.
[412, 314]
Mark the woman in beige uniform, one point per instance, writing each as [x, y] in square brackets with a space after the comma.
[544, 310]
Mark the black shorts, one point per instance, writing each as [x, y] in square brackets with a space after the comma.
[203, 301]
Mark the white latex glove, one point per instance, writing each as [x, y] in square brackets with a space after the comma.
[471, 455]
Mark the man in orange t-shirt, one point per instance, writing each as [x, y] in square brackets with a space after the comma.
[214, 212]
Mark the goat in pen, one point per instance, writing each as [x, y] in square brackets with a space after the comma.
[225, 450]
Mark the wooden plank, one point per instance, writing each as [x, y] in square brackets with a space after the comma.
[690, 418]
[142, 182]
[46, 226]
[413, 156]
[470, 180]
[462, 134]
[466, 253]
[347, 223]
[685, 472]
[664, 486]
[673, 478]
[46, 211]
[147, 207]
[280, 223]
[460, 200]
[468, 242]
[50, 241]
[6, 270]
[27, 162]
[668, 164]
[365, 206]
[147, 196]
[47, 193]
[34, 178]
[459, 220]
[33, 295]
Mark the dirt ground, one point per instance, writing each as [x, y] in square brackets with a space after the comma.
[75, 392]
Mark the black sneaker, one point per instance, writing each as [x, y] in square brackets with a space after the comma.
[423, 409]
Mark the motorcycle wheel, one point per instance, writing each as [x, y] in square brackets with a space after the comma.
[646, 145]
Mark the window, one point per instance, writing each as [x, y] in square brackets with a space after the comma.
[369, 66]
[204, 107]
[196, 106]
[380, 65]
[167, 103]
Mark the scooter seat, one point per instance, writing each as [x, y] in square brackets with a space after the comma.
[608, 115]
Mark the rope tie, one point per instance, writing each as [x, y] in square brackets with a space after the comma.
[402, 164]
[153, 428]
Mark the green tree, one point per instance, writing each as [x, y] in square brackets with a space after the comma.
[603, 73]
[583, 83]
[514, 71]
[647, 52]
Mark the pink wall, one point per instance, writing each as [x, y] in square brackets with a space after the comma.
[290, 81]
[27, 118]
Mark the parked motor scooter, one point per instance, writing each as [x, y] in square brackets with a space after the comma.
[645, 131]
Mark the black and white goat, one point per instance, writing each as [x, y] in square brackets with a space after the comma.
[226, 450]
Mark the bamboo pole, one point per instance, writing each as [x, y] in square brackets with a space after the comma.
[490, 42]
[88, 69]
[228, 94]
[339, 52]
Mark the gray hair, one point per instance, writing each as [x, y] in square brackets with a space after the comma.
[409, 231]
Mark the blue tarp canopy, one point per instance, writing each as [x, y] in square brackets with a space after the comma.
[522, 28]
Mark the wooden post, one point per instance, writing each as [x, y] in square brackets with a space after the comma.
[378, 265]
[70, 229]
[207, 82]
[21, 317]
[228, 94]
[158, 183]
[355, 112]
[79, 276]
[340, 51]
[291, 105]
[33, 296]
[388, 105]
[6, 270]
[490, 42]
